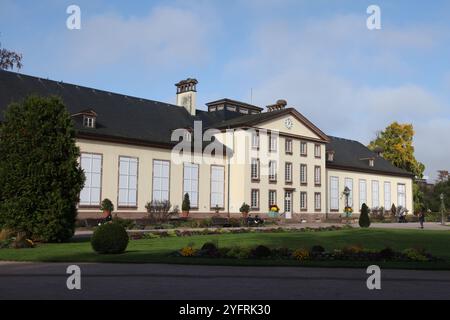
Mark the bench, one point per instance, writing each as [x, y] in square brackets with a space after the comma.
[220, 222]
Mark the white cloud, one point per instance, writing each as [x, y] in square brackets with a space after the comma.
[322, 68]
[166, 37]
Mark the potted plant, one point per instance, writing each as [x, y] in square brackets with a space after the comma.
[107, 207]
[186, 206]
[245, 209]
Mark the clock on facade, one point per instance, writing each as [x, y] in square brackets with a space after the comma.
[288, 123]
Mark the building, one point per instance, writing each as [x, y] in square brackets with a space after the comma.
[127, 146]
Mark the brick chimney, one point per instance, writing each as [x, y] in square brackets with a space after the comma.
[187, 94]
[279, 105]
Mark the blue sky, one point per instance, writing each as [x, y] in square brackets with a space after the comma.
[318, 55]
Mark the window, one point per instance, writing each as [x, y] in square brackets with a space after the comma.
[387, 196]
[232, 108]
[254, 203]
[161, 174]
[349, 184]
[288, 146]
[317, 150]
[334, 193]
[288, 172]
[375, 194]
[317, 176]
[273, 143]
[272, 171]
[303, 201]
[190, 183]
[272, 197]
[89, 122]
[362, 193]
[244, 111]
[255, 169]
[92, 168]
[128, 168]
[255, 140]
[303, 174]
[317, 201]
[217, 186]
[401, 194]
[303, 148]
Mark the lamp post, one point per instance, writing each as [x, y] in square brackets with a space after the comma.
[442, 197]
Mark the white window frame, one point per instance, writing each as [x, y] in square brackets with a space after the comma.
[317, 201]
[362, 192]
[288, 144]
[217, 192]
[375, 194]
[317, 175]
[317, 151]
[273, 143]
[254, 169]
[191, 182]
[303, 173]
[161, 180]
[349, 184]
[89, 121]
[334, 193]
[303, 148]
[128, 174]
[273, 170]
[303, 200]
[254, 199]
[387, 195]
[91, 163]
[255, 140]
[288, 172]
[401, 195]
[272, 197]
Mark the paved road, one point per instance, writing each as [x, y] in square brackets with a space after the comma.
[168, 282]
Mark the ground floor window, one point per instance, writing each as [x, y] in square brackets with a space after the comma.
[92, 168]
[255, 199]
[334, 193]
[317, 201]
[362, 193]
[272, 197]
[375, 194]
[401, 193]
[303, 201]
[128, 174]
[387, 196]
[217, 186]
[190, 183]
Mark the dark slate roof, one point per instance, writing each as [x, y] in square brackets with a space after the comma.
[353, 155]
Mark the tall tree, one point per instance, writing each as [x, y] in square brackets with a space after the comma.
[39, 171]
[396, 141]
[9, 59]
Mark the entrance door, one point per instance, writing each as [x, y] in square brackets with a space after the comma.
[288, 204]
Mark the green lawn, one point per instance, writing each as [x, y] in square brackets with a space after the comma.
[157, 250]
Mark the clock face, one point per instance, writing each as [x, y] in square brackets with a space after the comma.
[288, 123]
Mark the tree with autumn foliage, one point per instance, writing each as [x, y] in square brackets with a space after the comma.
[396, 141]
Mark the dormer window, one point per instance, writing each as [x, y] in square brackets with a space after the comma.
[371, 162]
[89, 121]
[330, 156]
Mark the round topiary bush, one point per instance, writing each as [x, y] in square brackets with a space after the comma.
[110, 238]
[317, 249]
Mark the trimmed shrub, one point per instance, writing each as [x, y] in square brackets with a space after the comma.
[110, 238]
[126, 223]
[209, 246]
[261, 252]
[364, 220]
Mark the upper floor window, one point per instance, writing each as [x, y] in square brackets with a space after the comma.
[317, 150]
[272, 171]
[317, 176]
[273, 143]
[255, 169]
[303, 148]
[303, 174]
[288, 172]
[89, 121]
[255, 140]
[288, 146]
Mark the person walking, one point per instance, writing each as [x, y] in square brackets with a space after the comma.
[421, 218]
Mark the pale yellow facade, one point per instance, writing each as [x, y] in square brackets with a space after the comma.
[237, 175]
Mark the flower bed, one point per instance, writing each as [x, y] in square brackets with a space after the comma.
[188, 233]
[316, 253]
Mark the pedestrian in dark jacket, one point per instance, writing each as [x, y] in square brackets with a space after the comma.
[421, 218]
